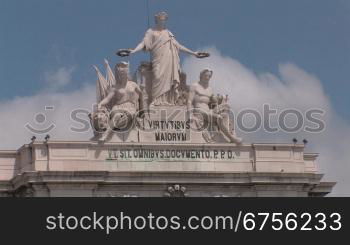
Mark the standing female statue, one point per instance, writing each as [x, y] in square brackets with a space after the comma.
[164, 50]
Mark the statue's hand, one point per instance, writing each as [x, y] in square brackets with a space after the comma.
[101, 107]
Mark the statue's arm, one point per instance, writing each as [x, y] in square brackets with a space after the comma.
[186, 50]
[139, 47]
[106, 100]
[142, 44]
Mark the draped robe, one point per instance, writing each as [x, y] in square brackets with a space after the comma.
[164, 50]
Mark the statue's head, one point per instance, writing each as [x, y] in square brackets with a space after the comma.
[206, 75]
[161, 19]
[121, 71]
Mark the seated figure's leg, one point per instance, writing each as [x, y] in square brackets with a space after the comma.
[225, 121]
[119, 120]
[224, 126]
[201, 123]
[105, 134]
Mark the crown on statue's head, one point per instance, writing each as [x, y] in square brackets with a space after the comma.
[161, 16]
[122, 65]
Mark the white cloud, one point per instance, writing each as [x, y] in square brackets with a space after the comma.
[58, 79]
[20, 111]
[292, 87]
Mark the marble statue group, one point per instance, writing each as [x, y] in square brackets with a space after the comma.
[158, 83]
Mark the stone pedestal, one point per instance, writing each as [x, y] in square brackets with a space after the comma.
[137, 169]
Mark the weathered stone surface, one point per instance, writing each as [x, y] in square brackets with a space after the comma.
[140, 184]
[93, 169]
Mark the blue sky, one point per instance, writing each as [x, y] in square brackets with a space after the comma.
[39, 36]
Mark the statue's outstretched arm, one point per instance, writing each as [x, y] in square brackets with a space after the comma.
[186, 50]
[189, 51]
[139, 47]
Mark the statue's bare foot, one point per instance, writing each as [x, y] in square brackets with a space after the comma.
[210, 140]
[236, 140]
